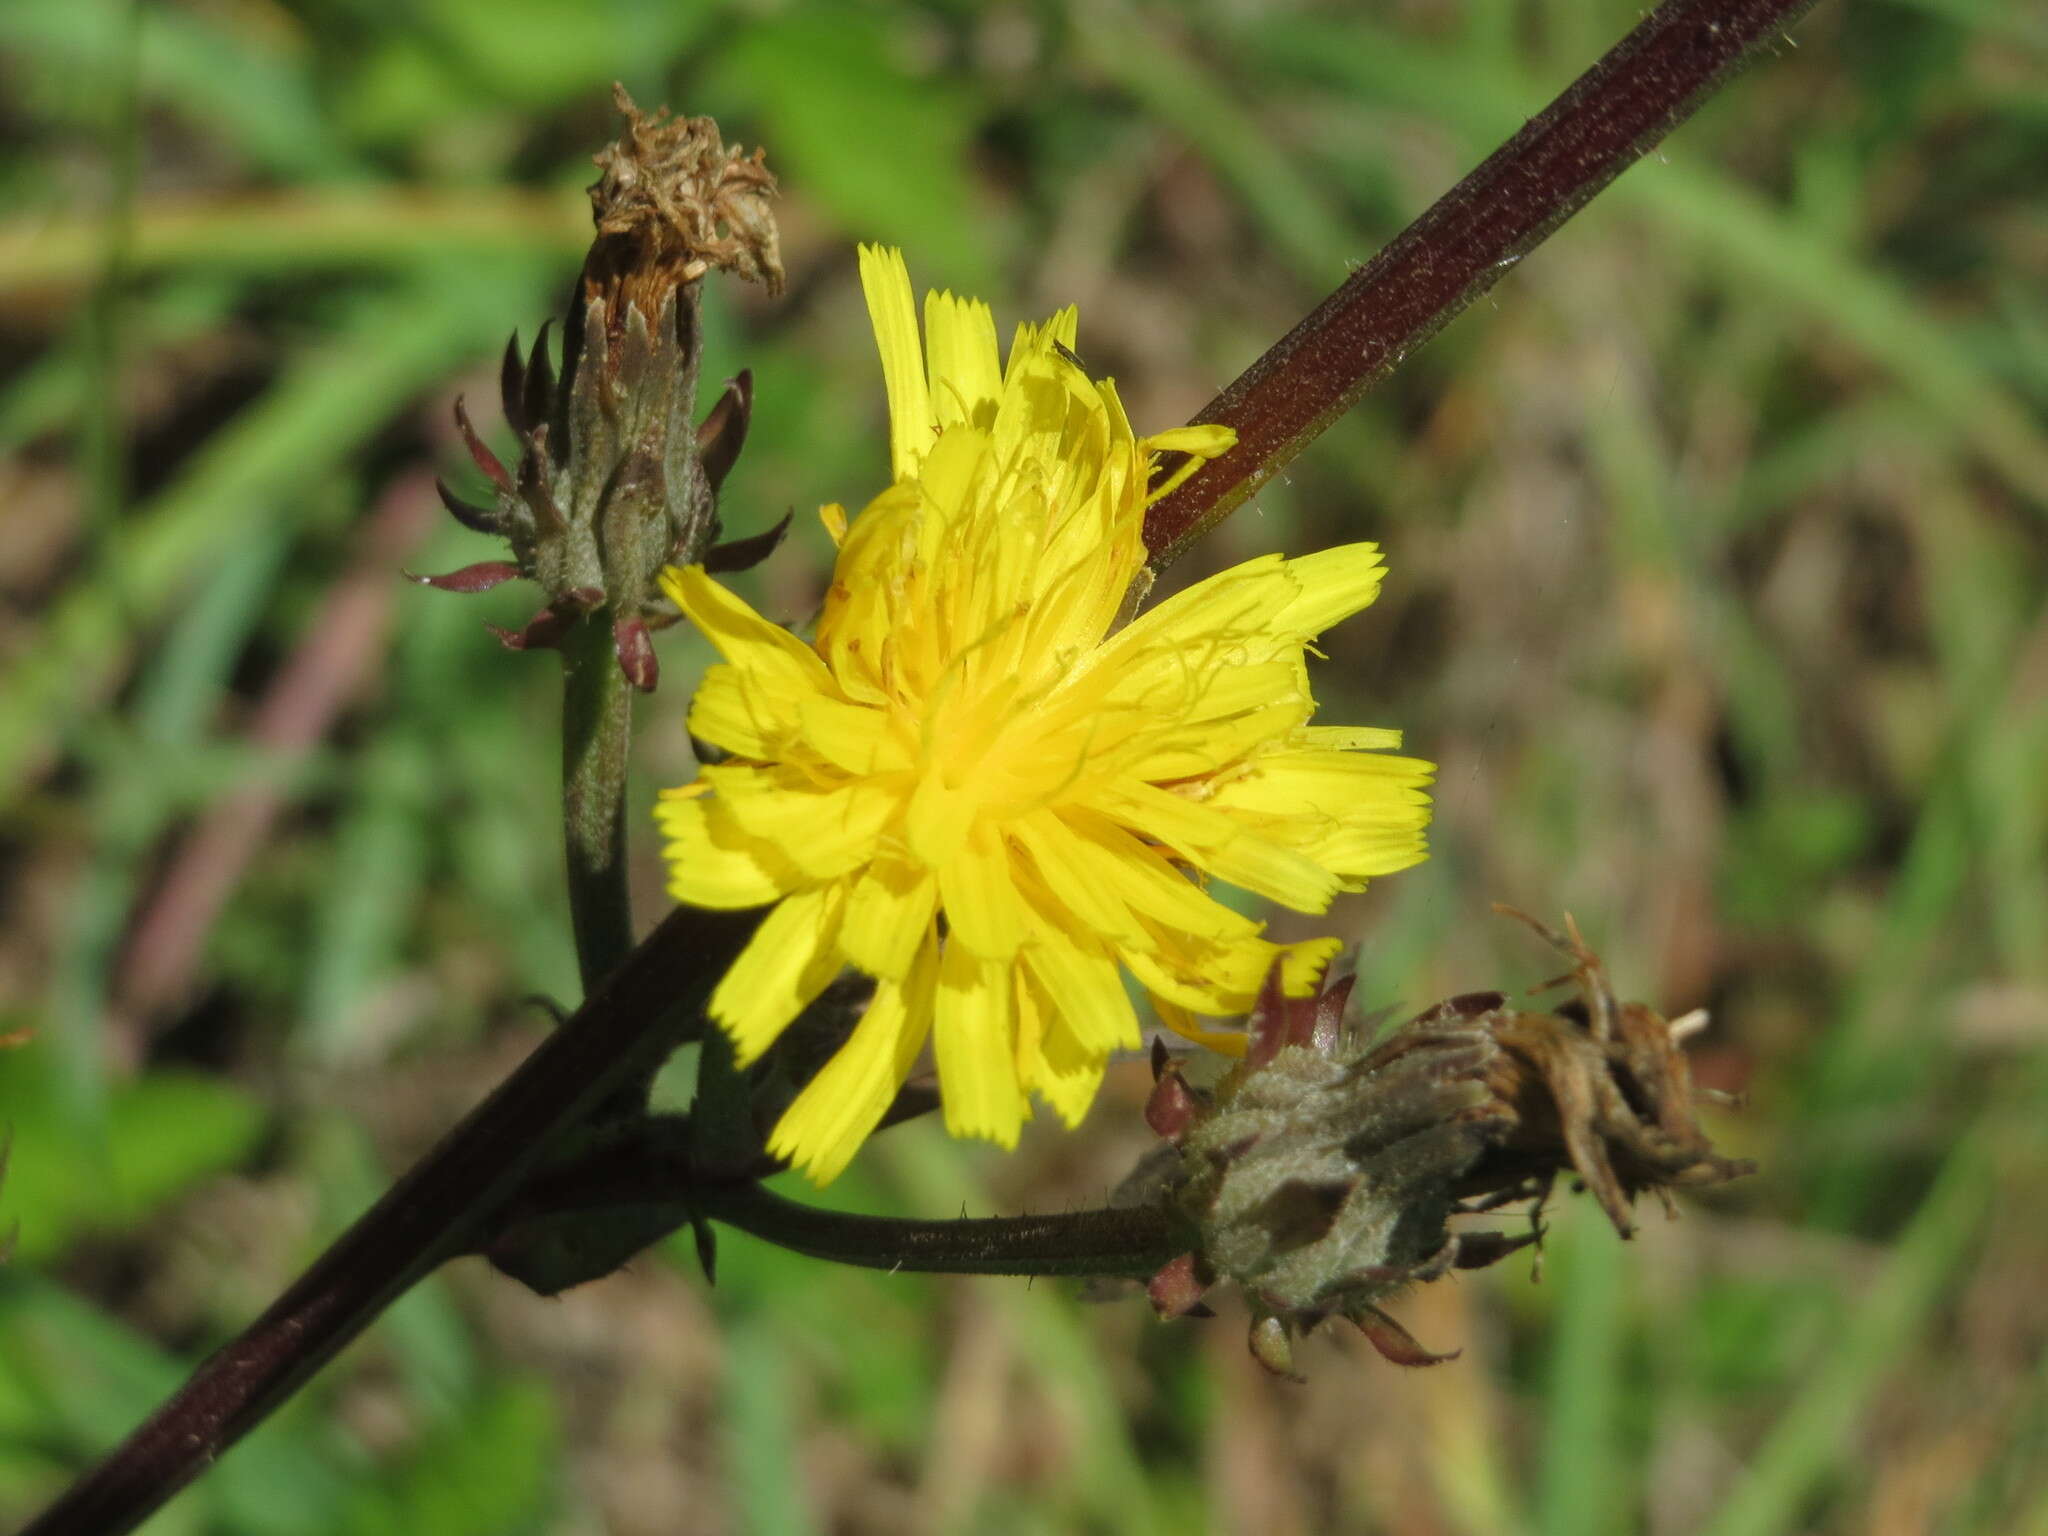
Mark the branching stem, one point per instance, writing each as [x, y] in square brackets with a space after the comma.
[640, 1001]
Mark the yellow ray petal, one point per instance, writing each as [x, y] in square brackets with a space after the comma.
[1072, 878]
[1050, 1062]
[840, 1107]
[886, 282]
[1334, 584]
[965, 373]
[889, 917]
[1085, 991]
[748, 714]
[714, 864]
[1141, 878]
[1225, 1042]
[790, 960]
[758, 648]
[1205, 439]
[972, 1026]
[1213, 840]
[983, 908]
[825, 829]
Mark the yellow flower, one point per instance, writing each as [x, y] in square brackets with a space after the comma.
[968, 789]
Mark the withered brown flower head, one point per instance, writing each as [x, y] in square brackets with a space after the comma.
[1322, 1172]
[614, 478]
[671, 202]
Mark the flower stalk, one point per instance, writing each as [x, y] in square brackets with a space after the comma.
[1464, 243]
[597, 738]
[614, 478]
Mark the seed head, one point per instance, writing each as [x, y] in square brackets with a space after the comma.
[1322, 1172]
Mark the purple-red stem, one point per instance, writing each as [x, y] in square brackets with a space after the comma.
[1645, 86]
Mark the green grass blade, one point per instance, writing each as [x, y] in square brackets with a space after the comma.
[1811, 1439]
[254, 470]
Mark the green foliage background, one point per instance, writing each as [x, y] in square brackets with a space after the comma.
[1718, 562]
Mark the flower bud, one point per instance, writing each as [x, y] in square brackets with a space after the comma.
[614, 479]
[1323, 1170]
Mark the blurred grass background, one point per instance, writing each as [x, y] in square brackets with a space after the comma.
[1718, 562]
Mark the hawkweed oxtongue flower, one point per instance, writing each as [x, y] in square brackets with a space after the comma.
[1322, 1171]
[968, 789]
[614, 479]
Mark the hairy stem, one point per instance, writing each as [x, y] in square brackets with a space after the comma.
[597, 732]
[1646, 85]
[1102, 1242]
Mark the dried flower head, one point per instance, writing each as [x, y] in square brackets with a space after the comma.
[614, 479]
[968, 789]
[671, 202]
[1323, 1170]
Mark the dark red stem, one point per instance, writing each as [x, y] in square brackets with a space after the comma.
[1648, 84]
